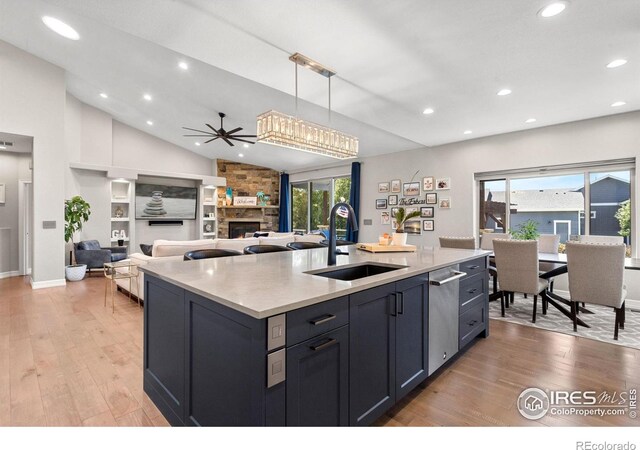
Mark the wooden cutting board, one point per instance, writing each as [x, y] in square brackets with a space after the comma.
[377, 248]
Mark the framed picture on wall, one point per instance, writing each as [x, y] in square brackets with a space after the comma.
[381, 203]
[428, 225]
[394, 211]
[432, 199]
[412, 227]
[383, 187]
[443, 184]
[426, 212]
[394, 224]
[393, 200]
[445, 203]
[395, 186]
[410, 210]
[427, 183]
[411, 189]
[385, 218]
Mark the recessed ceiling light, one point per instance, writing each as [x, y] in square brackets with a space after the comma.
[616, 63]
[503, 92]
[614, 104]
[240, 155]
[147, 97]
[246, 145]
[183, 65]
[58, 26]
[553, 9]
[468, 132]
[428, 111]
[149, 122]
[103, 95]
[2, 147]
[197, 144]
[531, 120]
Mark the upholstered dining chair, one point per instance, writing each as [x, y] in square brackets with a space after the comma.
[458, 242]
[595, 239]
[209, 253]
[596, 275]
[255, 249]
[486, 243]
[548, 243]
[517, 263]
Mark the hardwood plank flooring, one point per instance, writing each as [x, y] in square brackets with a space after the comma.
[66, 360]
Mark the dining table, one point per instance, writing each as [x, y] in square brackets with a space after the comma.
[556, 264]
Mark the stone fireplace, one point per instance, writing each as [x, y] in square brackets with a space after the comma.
[238, 229]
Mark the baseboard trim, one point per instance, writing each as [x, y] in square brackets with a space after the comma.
[47, 284]
[13, 273]
[629, 303]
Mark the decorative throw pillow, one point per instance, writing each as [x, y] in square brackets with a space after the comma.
[146, 249]
[260, 234]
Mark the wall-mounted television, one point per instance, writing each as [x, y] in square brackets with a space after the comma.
[161, 202]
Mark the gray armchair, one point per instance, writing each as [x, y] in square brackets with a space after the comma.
[94, 256]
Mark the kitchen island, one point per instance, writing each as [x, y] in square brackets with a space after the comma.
[281, 339]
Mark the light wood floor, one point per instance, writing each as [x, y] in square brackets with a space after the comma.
[65, 360]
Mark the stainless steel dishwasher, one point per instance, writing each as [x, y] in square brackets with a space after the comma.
[444, 292]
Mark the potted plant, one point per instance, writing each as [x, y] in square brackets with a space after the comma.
[526, 231]
[399, 237]
[76, 212]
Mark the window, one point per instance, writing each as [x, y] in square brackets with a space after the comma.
[594, 199]
[312, 202]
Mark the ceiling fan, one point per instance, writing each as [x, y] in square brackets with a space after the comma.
[221, 133]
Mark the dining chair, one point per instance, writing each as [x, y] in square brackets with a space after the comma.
[596, 275]
[304, 245]
[548, 243]
[209, 253]
[458, 242]
[486, 243]
[596, 239]
[517, 262]
[265, 248]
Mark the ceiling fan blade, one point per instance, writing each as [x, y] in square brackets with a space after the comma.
[241, 140]
[235, 130]
[199, 135]
[217, 137]
[199, 131]
[217, 132]
[227, 141]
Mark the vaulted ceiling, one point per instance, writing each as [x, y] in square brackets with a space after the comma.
[393, 60]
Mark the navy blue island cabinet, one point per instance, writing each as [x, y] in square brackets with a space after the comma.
[341, 362]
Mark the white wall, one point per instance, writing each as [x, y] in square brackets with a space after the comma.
[589, 140]
[13, 167]
[32, 95]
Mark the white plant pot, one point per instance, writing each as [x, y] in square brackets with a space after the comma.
[399, 238]
[75, 272]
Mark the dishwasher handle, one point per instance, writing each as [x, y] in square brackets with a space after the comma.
[456, 276]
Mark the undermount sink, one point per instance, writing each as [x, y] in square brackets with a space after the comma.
[355, 272]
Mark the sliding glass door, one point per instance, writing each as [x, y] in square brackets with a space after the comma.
[312, 202]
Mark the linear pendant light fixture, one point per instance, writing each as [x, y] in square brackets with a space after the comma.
[283, 130]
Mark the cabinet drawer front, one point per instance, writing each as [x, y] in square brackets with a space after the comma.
[305, 323]
[474, 266]
[472, 321]
[470, 288]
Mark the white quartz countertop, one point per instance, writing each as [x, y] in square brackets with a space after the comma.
[273, 283]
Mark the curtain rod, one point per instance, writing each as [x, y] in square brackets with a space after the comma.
[322, 168]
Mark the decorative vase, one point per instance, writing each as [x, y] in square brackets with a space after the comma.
[75, 272]
[399, 238]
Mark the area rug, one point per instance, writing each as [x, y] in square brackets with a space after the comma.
[601, 322]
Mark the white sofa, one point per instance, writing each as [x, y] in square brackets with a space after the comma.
[165, 250]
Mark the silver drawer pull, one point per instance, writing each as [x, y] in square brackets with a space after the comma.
[472, 291]
[457, 275]
[325, 343]
[473, 267]
[323, 319]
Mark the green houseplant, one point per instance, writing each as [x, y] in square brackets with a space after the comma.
[526, 231]
[76, 213]
[401, 217]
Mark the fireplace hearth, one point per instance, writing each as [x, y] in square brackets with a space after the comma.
[238, 229]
